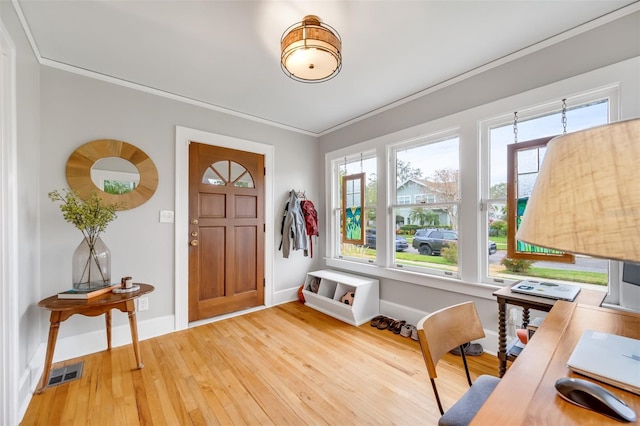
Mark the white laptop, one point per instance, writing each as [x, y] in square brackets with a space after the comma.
[546, 289]
[609, 358]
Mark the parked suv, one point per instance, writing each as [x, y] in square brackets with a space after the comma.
[431, 241]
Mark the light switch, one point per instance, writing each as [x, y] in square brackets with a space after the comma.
[166, 216]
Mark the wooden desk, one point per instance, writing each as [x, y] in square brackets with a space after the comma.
[526, 395]
[504, 296]
[61, 309]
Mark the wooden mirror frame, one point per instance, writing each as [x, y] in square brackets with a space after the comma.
[82, 160]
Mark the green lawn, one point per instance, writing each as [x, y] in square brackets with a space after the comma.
[559, 274]
[501, 242]
[421, 258]
[543, 273]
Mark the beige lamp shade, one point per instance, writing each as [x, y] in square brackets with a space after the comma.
[311, 51]
[586, 199]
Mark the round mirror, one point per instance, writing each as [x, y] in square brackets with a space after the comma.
[120, 172]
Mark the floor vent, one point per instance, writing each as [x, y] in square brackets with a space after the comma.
[65, 374]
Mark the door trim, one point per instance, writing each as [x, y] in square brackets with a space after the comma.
[183, 136]
[12, 389]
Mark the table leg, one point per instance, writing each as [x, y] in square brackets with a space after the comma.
[502, 338]
[107, 319]
[131, 309]
[54, 326]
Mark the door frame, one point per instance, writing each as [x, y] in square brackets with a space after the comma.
[10, 388]
[183, 136]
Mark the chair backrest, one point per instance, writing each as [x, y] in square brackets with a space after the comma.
[448, 328]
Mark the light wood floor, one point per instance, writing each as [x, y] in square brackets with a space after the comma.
[287, 365]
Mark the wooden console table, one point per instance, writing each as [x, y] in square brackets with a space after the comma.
[62, 309]
[504, 296]
[526, 395]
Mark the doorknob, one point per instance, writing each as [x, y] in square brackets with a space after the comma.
[194, 242]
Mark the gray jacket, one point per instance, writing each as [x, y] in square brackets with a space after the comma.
[294, 227]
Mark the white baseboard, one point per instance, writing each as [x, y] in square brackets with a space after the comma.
[88, 343]
[25, 389]
[285, 296]
[412, 316]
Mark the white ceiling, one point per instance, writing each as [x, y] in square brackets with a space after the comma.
[225, 54]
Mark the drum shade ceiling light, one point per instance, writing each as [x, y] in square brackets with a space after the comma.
[311, 51]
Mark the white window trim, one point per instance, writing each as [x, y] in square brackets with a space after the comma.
[450, 132]
[334, 207]
[471, 223]
[610, 92]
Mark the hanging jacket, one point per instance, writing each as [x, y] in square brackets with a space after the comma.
[294, 232]
[310, 215]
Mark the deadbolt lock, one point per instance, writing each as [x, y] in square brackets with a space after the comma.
[194, 234]
[194, 221]
[194, 242]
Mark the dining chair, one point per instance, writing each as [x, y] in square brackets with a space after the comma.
[438, 333]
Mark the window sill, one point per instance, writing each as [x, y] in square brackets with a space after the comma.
[480, 290]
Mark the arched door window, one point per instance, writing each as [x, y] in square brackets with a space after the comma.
[229, 173]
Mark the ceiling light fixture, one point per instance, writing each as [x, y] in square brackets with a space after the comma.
[586, 198]
[311, 51]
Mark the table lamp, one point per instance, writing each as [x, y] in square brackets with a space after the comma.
[586, 199]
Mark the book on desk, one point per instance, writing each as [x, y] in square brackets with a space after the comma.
[86, 294]
[549, 290]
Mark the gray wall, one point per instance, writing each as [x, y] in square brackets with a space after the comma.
[605, 45]
[76, 109]
[609, 44]
[27, 133]
[57, 112]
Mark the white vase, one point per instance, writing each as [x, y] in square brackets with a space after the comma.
[91, 266]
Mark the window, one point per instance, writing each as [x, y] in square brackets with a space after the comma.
[424, 198]
[225, 172]
[438, 219]
[428, 171]
[541, 125]
[523, 162]
[404, 199]
[352, 166]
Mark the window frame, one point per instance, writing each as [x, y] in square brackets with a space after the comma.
[433, 138]
[335, 215]
[474, 124]
[610, 93]
[360, 178]
[512, 198]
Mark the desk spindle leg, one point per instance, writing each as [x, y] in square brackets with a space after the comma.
[525, 317]
[131, 309]
[54, 326]
[502, 338]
